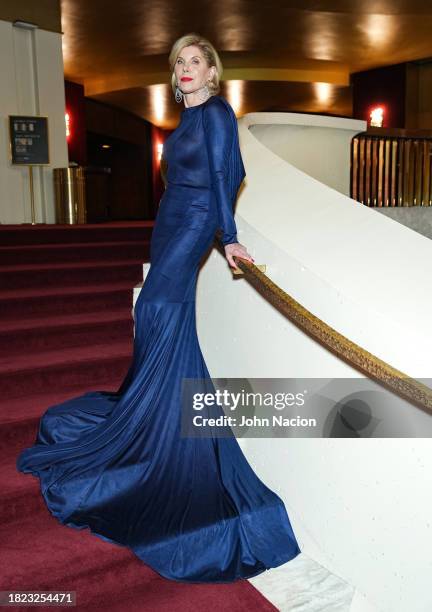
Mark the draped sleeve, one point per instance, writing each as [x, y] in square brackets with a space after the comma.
[225, 163]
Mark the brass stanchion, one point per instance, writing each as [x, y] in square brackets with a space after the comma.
[33, 214]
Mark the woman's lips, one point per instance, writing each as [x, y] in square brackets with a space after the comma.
[186, 79]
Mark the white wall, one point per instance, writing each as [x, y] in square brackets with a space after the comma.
[360, 507]
[316, 148]
[32, 82]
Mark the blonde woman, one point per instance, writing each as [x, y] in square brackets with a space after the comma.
[190, 507]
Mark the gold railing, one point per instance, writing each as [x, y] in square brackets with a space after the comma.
[398, 382]
[392, 167]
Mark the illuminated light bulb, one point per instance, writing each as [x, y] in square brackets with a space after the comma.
[159, 148]
[377, 116]
[68, 125]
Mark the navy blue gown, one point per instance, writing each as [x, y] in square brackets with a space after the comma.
[114, 462]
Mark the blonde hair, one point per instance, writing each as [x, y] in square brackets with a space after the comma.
[210, 55]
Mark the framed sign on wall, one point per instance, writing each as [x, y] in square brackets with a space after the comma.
[28, 146]
[28, 139]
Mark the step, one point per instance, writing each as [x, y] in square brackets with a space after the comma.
[93, 365]
[64, 330]
[74, 251]
[66, 274]
[20, 496]
[161, 595]
[39, 553]
[44, 233]
[19, 417]
[79, 298]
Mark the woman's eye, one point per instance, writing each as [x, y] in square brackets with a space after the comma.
[196, 61]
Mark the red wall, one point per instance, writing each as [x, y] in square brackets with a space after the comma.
[158, 136]
[75, 106]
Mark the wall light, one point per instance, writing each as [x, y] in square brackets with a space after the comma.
[377, 116]
[68, 125]
[159, 148]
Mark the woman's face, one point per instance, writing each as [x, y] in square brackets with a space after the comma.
[191, 69]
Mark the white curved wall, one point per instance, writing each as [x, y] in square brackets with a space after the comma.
[359, 507]
[318, 149]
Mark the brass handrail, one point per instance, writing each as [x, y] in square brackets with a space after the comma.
[400, 383]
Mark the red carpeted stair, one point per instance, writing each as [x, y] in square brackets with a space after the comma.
[66, 327]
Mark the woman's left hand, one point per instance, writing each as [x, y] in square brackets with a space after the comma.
[235, 248]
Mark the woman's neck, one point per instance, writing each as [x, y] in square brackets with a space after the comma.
[198, 98]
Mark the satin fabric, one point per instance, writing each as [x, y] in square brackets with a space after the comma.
[114, 462]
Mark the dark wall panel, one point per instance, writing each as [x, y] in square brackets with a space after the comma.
[381, 86]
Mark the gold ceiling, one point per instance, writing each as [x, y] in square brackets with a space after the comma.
[293, 55]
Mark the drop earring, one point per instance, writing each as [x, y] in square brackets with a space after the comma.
[178, 94]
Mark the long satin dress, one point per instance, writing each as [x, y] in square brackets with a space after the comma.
[114, 462]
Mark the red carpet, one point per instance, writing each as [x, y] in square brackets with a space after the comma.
[67, 328]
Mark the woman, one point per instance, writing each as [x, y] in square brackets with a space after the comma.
[191, 508]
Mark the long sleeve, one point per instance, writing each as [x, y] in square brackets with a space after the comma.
[219, 133]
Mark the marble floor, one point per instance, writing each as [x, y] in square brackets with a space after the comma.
[304, 585]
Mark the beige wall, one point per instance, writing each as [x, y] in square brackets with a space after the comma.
[31, 65]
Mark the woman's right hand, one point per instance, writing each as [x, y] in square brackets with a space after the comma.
[239, 250]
